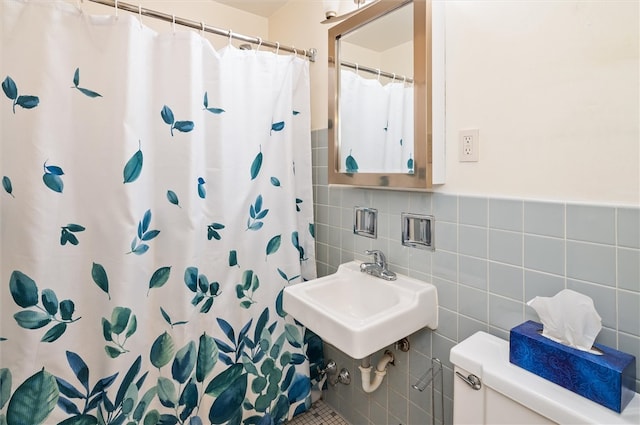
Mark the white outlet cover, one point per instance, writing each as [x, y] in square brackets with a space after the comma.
[469, 145]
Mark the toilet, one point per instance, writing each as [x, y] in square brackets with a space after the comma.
[488, 389]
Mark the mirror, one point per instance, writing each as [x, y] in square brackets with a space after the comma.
[380, 115]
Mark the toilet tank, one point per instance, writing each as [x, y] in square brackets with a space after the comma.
[508, 394]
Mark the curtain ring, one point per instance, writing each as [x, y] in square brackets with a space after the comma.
[140, 14]
[173, 23]
[116, 6]
[202, 29]
[295, 52]
[404, 79]
[378, 74]
[277, 47]
[230, 37]
[357, 69]
[394, 78]
[259, 43]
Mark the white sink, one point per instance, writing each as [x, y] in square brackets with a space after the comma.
[360, 314]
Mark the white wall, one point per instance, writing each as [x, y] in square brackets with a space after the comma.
[401, 57]
[553, 87]
[398, 59]
[359, 55]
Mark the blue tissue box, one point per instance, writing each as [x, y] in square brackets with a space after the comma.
[607, 379]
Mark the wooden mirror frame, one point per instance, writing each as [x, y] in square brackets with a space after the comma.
[422, 120]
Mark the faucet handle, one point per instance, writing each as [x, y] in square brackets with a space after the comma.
[378, 256]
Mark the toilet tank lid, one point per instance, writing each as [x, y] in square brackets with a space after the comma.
[487, 357]
[475, 351]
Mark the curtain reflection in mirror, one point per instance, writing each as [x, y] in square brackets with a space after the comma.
[376, 125]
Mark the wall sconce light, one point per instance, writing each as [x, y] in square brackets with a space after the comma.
[337, 10]
[331, 8]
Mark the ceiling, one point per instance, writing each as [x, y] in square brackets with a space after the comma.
[258, 7]
[386, 32]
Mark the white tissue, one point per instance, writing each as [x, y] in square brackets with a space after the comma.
[568, 317]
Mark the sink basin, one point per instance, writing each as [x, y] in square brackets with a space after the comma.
[360, 314]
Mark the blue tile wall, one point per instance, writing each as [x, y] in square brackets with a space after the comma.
[544, 254]
[544, 218]
[492, 256]
[591, 224]
[505, 214]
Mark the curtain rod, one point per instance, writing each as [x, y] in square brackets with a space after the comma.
[310, 53]
[376, 71]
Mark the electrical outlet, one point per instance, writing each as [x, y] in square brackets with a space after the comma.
[469, 145]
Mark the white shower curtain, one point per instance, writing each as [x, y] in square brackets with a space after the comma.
[376, 125]
[156, 200]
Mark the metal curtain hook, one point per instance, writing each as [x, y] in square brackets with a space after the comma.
[295, 52]
[259, 43]
[378, 74]
[394, 78]
[357, 69]
[202, 29]
[115, 3]
[277, 47]
[230, 36]
[173, 23]
[140, 14]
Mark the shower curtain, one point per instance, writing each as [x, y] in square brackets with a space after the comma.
[156, 199]
[376, 125]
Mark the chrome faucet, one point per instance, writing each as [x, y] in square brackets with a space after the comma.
[379, 266]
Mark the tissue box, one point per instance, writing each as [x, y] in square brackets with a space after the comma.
[607, 379]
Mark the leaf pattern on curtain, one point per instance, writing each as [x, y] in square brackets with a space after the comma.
[138, 245]
[52, 179]
[11, 91]
[8, 187]
[190, 329]
[85, 91]
[167, 116]
[133, 167]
